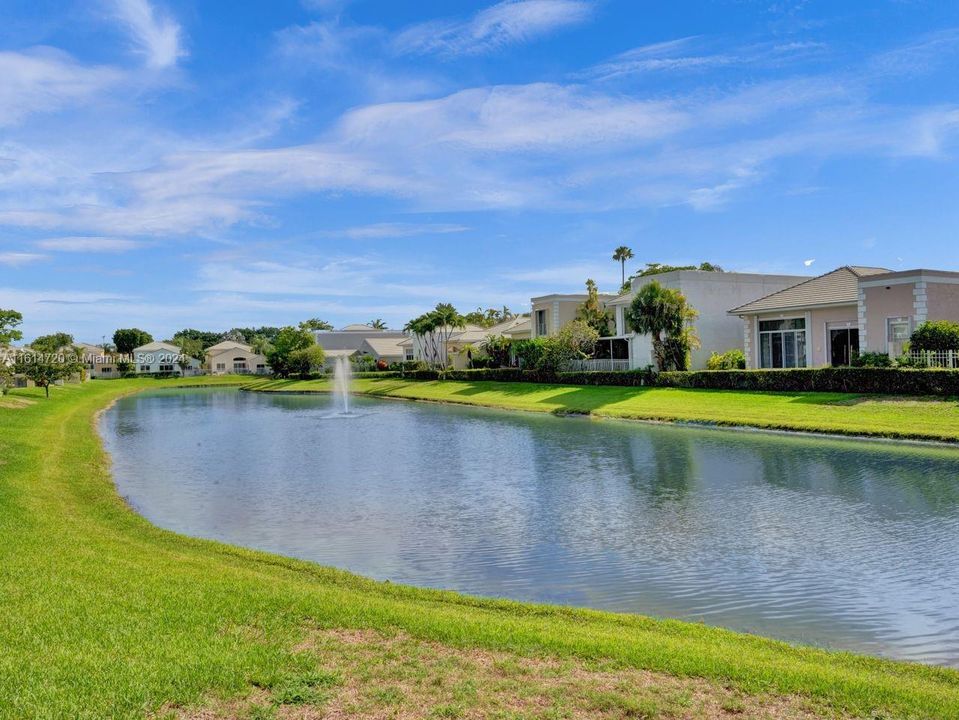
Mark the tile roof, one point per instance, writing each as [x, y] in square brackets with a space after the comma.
[385, 347]
[839, 287]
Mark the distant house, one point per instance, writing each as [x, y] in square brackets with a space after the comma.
[163, 357]
[464, 342]
[829, 319]
[355, 340]
[98, 363]
[230, 357]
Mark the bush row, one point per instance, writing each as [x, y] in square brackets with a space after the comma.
[869, 380]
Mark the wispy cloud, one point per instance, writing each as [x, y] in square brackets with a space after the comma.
[507, 23]
[155, 35]
[16, 259]
[87, 244]
[379, 231]
[44, 79]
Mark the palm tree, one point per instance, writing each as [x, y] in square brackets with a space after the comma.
[377, 324]
[621, 255]
[665, 315]
[447, 319]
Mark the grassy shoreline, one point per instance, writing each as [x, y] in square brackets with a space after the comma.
[828, 413]
[104, 615]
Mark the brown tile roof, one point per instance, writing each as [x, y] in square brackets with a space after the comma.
[839, 287]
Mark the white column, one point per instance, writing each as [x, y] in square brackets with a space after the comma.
[920, 303]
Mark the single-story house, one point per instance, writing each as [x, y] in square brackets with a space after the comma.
[163, 357]
[829, 319]
[387, 349]
[353, 338]
[230, 357]
[465, 341]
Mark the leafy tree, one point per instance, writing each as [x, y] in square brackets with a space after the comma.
[288, 341]
[307, 360]
[488, 317]
[659, 268]
[128, 339]
[621, 255]
[935, 335]
[53, 343]
[447, 320]
[261, 345]
[205, 338]
[592, 311]
[315, 324]
[499, 350]
[9, 319]
[50, 358]
[378, 324]
[550, 355]
[191, 348]
[665, 315]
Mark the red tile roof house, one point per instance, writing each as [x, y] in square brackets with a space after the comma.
[828, 319]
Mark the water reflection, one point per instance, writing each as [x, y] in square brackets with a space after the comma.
[842, 543]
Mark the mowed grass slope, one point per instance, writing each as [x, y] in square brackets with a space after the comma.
[880, 416]
[104, 616]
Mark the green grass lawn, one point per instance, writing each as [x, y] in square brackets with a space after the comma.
[103, 615]
[881, 416]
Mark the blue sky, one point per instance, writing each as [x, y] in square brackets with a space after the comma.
[202, 163]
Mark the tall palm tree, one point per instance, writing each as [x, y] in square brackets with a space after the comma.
[377, 324]
[621, 255]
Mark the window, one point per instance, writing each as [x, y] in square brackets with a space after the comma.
[106, 370]
[898, 331]
[540, 323]
[221, 366]
[166, 368]
[782, 343]
[409, 355]
[144, 368]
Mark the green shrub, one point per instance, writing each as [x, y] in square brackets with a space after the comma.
[935, 335]
[872, 359]
[734, 359]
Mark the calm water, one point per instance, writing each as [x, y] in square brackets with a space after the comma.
[842, 544]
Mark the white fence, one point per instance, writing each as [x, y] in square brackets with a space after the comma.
[936, 358]
[597, 365]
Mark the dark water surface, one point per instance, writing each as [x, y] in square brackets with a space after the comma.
[839, 543]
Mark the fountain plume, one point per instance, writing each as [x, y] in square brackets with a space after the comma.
[342, 374]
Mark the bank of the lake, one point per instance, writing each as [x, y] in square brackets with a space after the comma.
[933, 419]
[104, 615]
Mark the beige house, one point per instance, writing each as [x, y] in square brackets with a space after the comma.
[230, 357]
[163, 357]
[387, 349]
[99, 363]
[829, 319]
[551, 312]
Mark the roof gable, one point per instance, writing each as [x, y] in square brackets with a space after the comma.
[838, 287]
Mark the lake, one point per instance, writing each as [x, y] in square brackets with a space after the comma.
[837, 543]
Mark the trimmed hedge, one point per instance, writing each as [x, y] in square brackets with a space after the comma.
[868, 380]
[862, 380]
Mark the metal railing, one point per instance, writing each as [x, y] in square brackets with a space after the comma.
[948, 359]
[598, 365]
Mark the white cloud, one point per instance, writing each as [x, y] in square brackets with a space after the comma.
[506, 23]
[377, 231]
[87, 244]
[44, 79]
[156, 36]
[19, 258]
